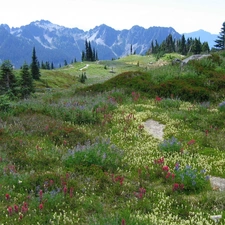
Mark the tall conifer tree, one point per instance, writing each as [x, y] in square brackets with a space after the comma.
[7, 78]
[26, 83]
[220, 41]
[35, 72]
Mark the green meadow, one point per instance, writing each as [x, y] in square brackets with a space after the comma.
[79, 153]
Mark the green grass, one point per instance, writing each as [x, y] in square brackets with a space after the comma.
[83, 146]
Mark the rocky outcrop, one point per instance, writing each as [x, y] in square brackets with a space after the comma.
[194, 57]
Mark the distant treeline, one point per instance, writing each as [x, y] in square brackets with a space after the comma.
[182, 46]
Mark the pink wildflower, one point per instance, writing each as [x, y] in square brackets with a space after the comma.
[65, 190]
[165, 168]
[16, 208]
[71, 192]
[123, 222]
[10, 210]
[191, 142]
[41, 206]
[41, 194]
[7, 196]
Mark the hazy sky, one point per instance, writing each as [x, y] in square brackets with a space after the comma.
[183, 15]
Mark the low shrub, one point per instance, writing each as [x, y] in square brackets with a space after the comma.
[190, 179]
[221, 107]
[169, 103]
[100, 153]
[170, 145]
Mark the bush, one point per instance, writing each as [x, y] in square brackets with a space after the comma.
[191, 179]
[221, 107]
[100, 153]
[170, 145]
[4, 102]
[169, 103]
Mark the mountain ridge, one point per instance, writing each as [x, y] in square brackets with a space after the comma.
[55, 43]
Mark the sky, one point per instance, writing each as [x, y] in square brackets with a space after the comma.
[183, 15]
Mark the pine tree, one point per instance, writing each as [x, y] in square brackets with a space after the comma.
[26, 82]
[34, 66]
[197, 47]
[220, 41]
[182, 46]
[205, 47]
[7, 79]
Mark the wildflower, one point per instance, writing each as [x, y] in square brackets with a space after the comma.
[10, 210]
[7, 196]
[206, 132]
[65, 190]
[191, 142]
[168, 175]
[21, 217]
[24, 207]
[158, 99]
[177, 166]
[176, 186]
[159, 161]
[165, 168]
[142, 190]
[71, 192]
[41, 206]
[40, 194]
[123, 222]
[16, 208]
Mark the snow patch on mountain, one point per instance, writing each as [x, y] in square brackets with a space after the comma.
[39, 40]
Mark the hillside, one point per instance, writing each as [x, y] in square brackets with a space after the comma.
[79, 153]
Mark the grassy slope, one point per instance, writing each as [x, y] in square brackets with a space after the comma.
[37, 134]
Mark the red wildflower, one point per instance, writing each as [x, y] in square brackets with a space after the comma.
[168, 175]
[41, 206]
[158, 99]
[40, 194]
[16, 208]
[165, 168]
[176, 186]
[123, 222]
[142, 190]
[206, 132]
[159, 161]
[24, 208]
[65, 190]
[191, 142]
[10, 210]
[71, 192]
[7, 196]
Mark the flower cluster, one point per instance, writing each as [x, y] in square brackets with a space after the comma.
[178, 187]
[222, 106]
[170, 145]
[140, 193]
[192, 179]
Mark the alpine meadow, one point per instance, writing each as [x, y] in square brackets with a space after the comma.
[133, 140]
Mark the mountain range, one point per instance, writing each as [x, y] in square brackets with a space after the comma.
[55, 44]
